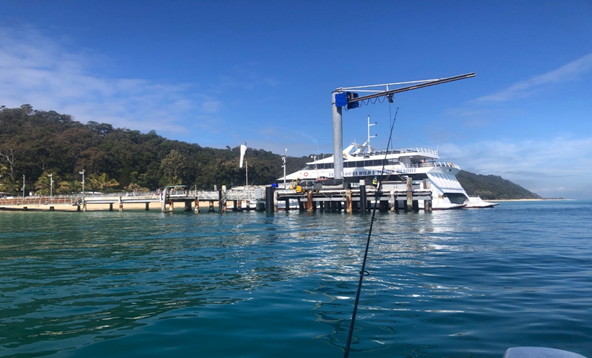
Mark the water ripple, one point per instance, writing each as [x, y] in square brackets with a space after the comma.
[454, 284]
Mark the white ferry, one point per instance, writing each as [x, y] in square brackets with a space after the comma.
[422, 165]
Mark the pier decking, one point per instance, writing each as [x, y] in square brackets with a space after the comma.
[258, 198]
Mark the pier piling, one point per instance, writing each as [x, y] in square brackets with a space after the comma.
[363, 196]
[269, 199]
[309, 202]
[409, 204]
[348, 201]
[222, 199]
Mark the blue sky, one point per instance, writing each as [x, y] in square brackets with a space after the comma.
[219, 73]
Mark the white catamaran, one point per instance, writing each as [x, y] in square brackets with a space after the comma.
[421, 164]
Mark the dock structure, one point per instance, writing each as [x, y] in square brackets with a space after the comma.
[354, 200]
[167, 200]
[360, 198]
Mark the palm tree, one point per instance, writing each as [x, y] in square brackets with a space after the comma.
[66, 187]
[43, 184]
[101, 182]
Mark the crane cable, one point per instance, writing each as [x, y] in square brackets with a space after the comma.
[363, 271]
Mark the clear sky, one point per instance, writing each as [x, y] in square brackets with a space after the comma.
[219, 73]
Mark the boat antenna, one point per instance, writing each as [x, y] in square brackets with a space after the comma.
[363, 271]
[368, 149]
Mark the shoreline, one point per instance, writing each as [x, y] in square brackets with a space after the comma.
[153, 206]
[156, 206]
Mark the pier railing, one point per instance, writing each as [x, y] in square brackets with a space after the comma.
[244, 194]
[37, 200]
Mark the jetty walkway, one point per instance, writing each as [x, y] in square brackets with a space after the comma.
[165, 200]
[402, 196]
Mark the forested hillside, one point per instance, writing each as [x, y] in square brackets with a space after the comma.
[37, 144]
[492, 187]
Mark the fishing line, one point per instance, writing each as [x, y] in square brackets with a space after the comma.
[363, 271]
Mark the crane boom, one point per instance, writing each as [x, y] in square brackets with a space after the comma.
[341, 97]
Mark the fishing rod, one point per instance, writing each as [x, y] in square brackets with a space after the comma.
[363, 271]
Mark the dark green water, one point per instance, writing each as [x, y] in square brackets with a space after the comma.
[466, 283]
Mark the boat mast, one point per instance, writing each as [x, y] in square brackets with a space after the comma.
[369, 148]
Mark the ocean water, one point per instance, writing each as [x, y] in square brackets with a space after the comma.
[464, 283]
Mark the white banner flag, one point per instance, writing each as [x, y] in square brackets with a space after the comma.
[243, 150]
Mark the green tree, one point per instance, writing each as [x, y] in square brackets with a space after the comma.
[135, 188]
[43, 183]
[172, 165]
[100, 182]
[4, 183]
[68, 187]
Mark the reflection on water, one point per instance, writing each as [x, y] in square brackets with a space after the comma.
[449, 283]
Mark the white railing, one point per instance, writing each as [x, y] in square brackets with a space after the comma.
[408, 150]
[244, 194]
[447, 165]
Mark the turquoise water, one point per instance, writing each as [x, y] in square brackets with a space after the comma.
[465, 283]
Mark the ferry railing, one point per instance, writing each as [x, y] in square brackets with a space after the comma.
[417, 150]
[447, 165]
[405, 150]
[401, 151]
[433, 164]
[427, 165]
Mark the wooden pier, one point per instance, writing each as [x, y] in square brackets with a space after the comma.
[269, 199]
[394, 197]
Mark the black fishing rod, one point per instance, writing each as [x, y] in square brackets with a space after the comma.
[363, 271]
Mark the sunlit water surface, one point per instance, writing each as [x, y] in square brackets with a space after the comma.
[465, 283]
